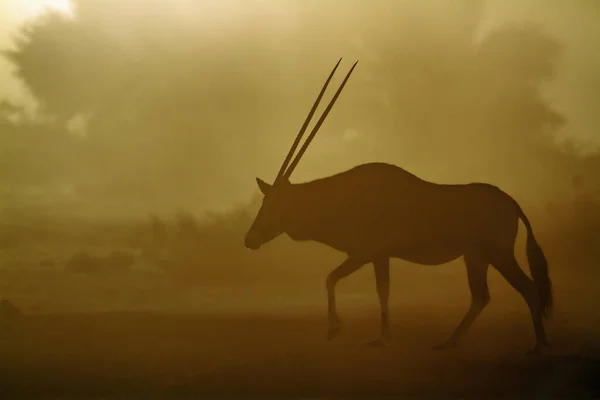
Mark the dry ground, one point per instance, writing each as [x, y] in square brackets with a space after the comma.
[256, 326]
[187, 355]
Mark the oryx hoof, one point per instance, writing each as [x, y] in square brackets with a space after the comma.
[333, 330]
[380, 342]
[536, 351]
[445, 346]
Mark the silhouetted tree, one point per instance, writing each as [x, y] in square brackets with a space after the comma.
[172, 94]
[166, 89]
[474, 104]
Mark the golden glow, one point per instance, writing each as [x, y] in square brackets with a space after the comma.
[33, 8]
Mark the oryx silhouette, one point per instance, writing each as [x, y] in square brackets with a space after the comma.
[377, 211]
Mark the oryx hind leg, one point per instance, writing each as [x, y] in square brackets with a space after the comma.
[477, 267]
[509, 268]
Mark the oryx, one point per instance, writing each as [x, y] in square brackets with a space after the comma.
[377, 211]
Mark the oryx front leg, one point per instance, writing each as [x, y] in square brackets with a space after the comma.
[346, 268]
[382, 280]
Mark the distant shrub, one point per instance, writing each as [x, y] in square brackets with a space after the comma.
[9, 312]
[118, 260]
[187, 227]
[85, 263]
[82, 262]
[47, 263]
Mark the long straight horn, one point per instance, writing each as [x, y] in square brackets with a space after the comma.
[306, 122]
[310, 137]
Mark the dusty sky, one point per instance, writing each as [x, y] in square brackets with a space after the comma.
[574, 92]
[13, 13]
[575, 22]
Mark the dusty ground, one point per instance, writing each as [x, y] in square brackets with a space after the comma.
[256, 326]
[177, 355]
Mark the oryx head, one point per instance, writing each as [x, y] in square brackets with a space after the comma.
[269, 222]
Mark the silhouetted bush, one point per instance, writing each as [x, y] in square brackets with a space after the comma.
[47, 262]
[9, 312]
[82, 262]
[118, 261]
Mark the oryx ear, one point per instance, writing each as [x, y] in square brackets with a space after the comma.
[263, 186]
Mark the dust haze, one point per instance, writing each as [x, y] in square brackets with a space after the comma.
[127, 186]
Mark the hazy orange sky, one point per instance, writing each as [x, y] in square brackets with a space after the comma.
[573, 93]
[13, 13]
[575, 22]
